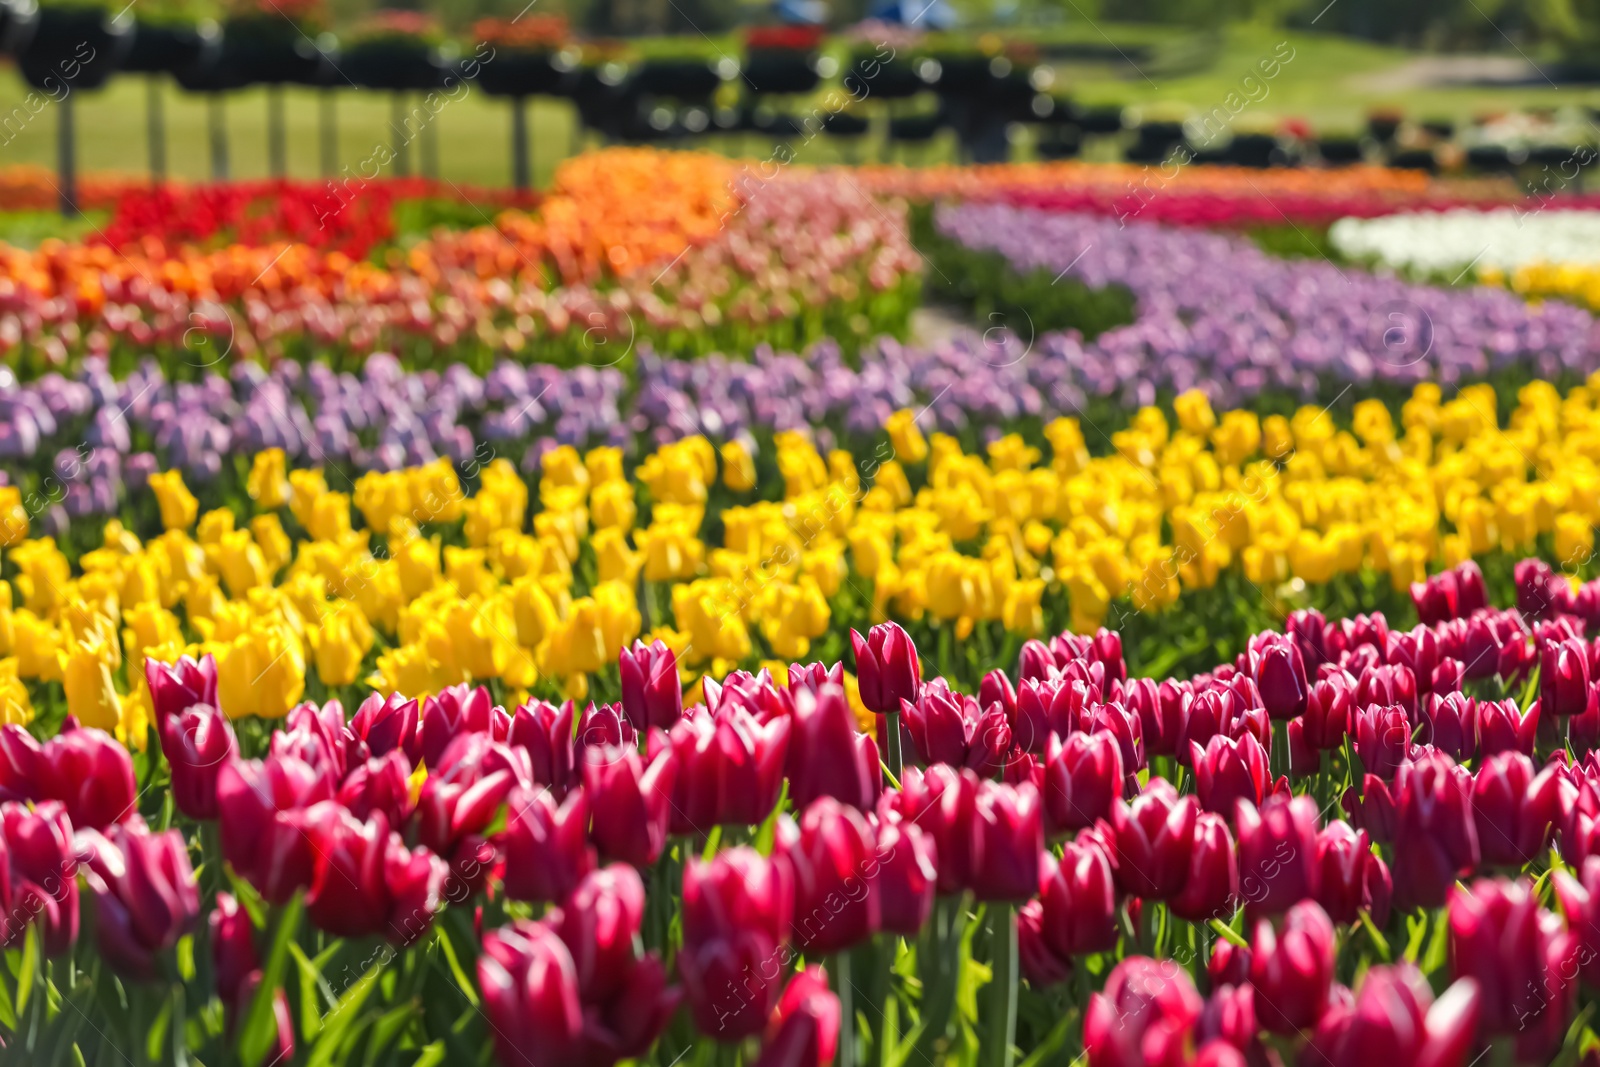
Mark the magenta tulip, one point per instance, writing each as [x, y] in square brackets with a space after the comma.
[948, 727]
[1007, 835]
[544, 731]
[834, 859]
[1145, 1015]
[804, 1030]
[530, 996]
[888, 670]
[1501, 728]
[1154, 837]
[1513, 809]
[730, 768]
[737, 910]
[908, 875]
[1082, 779]
[39, 884]
[260, 804]
[1382, 739]
[1351, 877]
[632, 801]
[91, 775]
[545, 844]
[652, 695]
[1455, 724]
[366, 882]
[1277, 853]
[1229, 771]
[827, 757]
[1079, 898]
[380, 784]
[1329, 707]
[196, 741]
[1039, 964]
[386, 724]
[1280, 674]
[940, 801]
[1563, 677]
[1518, 953]
[177, 687]
[145, 893]
[459, 709]
[1292, 968]
[1212, 889]
[1394, 1019]
[1435, 840]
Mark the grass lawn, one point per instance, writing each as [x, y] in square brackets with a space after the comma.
[1325, 82]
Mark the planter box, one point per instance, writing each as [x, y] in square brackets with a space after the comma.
[80, 47]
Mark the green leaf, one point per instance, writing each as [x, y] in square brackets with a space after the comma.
[1416, 930]
[1229, 934]
[313, 987]
[1379, 942]
[432, 1056]
[157, 1034]
[1052, 1043]
[260, 1028]
[29, 972]
[767, 835]
[341, 1018]
[469, 988]
[8, 1014]
[1439, 946]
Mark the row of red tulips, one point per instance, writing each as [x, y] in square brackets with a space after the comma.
[1169, 829]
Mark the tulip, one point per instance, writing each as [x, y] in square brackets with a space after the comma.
[631, 801]
[1563, 677]
[1329, 706]
[91, 775]
[1039, 964]
[1447, 677]
[38, 877]
[1517, 953]
[176, 687]
[459, 801]
[1434, 837]
[996, 688]
[366, 882]
[1580, 903]
[1229, 1020]
[598, 924]
[1277, 853]
[1501, 728]
[730, 768]
[1280, 674]
[386, 724]
[1154, 840]
[544, 731]
[530, 996]
[1143, 1016]
[1212, 711]
[196, 742]
[940, 801]
[1229, 771]
[1394, 1019]
[947, 727]
[908, 876]
[1123, 725]
[888, 670]
[456, 710]
[1229, 964]
[319, 736]
[1082, 779]
[1365, 630]
[1513, 810]
[21, 763]
[1535, 581]
[737, 909]
[1212, 889]
[146, 897]
[602, 725]
[1439, 598]
[836, 900]
[1292, 969]
[233, 947]
[1455, 724]
[260, 804]
[827, 757]
[1079, 899]
[1418, 653]
[1160, 709]
[651, 693]
[1351, 877]
[1046, 707]
[544, 844]
[1007, 835]
[804, 1030]
[1382, 739]
[380, 784]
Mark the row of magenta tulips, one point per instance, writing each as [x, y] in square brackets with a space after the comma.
[420, 883]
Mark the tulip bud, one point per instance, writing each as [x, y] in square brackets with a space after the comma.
[1229, 964]
[145, 893]
[1501, 728]
[804, 1030]
[1083, 778]
[1502, 939]
[1154, 838]
[1513, 809]
[995, 688]
[888, 670]
[545, 844]
[1292, 970]
[836, 899]
[632, 802]
[530, 995]
[908, 876]
[1280, 674]
[1455, 723]
[176, 687]
[1563, 677]
[1039, 964]
[1351, 877]
[38, 881]
[737, 909]
[1277, 853]
[386, 724]
[1079, 899]
[1328, 709]
[91, 775]
[827, 757]
[544, 731]
[651, 693]
[196, 742]
[1434, 839]
[1229, 771]
[458, 709]
[730, 768]
[1007, 834]
[1394, 1011]
[1145, 1015]
[1123, 725]
[1417, 652]
[1212, 889]
[1382, 739]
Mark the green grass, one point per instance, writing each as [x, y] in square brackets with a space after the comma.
[1326, 82]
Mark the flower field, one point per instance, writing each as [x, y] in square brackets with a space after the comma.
[590, 628]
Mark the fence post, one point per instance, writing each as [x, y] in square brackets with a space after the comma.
[402, 139]
[155, 109]
[67, 156]
[329, 129]
[218, 129]
[521, 176]
[277, 151]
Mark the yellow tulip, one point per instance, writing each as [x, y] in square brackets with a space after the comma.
[86, 678]
[268, 483]
[906, 438]
[15, 707]
[738, 467]
[178, 506]
[13, 517]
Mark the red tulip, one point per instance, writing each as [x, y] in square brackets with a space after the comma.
[260, 805]
[530, 996]
[804, 1030]
[196, 742]
[652, 696]
[1365, 630]
[1501, 728]
[632, 802]
[948, 727]
[1212, 711]
[1229, 1019]
[39, 883]
[1229, 771]
[1292, 969]
[1513, 810]
[1280, 674]
[1351, 877]
[1455, 724]
[320, 737]
[1007, 836]
[1563, 677]
[908, 875]
[366, 882]
[21, 760]
[1518, 953]
[1418, 653]
[545, 844]
[598, 923]
[544, 731]
[1382, 739]
[1083, 777]
[1144, 1016]
[233, 948]
[1580, 903]
[458, 801]
[1394, 1019]
[1212, 889]
[1434, 840]
[380, 784]
[1046, 707]
[1307, 628]
[827, 757]
[730, 768]
[1229, 964]
[940, 801]
[1039, 963]
[458, 709]
[835, 863]
[1387, 685]
[737, 909]
[887, 668]
[386, 724]
[601, 726]
[1448, 677]
[1329, 706]
[1277, 853]
[1535, 580]
[1079, 899]
[145, 893]
[1154, 838]
[996, 688]
[177, 687]
[1160, 708]
[1124, 725]
[91, 775]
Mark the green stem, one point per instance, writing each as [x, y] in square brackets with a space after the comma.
[845, 990]
[1003, 986]
[892, 726]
